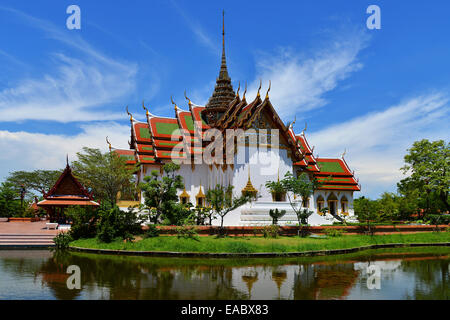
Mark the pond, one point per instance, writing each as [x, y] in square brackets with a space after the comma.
[419, 273]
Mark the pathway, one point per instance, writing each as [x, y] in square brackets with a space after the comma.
[26, 235]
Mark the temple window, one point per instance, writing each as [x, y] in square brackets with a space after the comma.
[184, 197]
[332, 203]
[200, 197]
[305, 203]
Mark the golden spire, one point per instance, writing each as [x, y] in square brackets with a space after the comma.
[249, 189]
[245, 91]
[239, 88]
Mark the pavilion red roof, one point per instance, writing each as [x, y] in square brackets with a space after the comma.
[67, 191]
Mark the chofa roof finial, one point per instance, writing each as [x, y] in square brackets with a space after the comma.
[259, 89]
[131, 116]
[189, 100]
[245, 91]
[343, 154]
[109, 143]
[306, 126]
[145, 108]
[268, 90]
[239, 88]
[176, 107]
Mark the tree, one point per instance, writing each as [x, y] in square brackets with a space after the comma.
[428, 166]
[302, 187]
[36, 181]
[366, 210]
[106, 174]
[276, 214]
[113, 223]
[222, 201]
[389, 206]
[9, 201]
[160, 194]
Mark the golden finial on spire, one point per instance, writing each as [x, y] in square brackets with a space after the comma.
[260, 83]
[109, 143]
[267, 93]
[245, 91]
[239, 88]
[131, 116]
[176, 107]
[345, 151]
[189, 100]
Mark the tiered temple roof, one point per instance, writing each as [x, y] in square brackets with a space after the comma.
[336, 175]
[153, 142]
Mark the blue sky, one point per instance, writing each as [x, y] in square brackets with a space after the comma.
[371, 92]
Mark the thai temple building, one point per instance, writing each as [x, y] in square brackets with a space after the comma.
[263, 148]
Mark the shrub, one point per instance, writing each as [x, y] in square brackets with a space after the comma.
[114, 223]
[186, 231]
[62, 241]
[276, 214]
[84, 222]
[152, 231]
[331, 232]
[272, 231]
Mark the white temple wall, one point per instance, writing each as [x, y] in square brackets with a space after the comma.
[264, 165]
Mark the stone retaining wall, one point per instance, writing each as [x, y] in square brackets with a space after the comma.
[293, 230]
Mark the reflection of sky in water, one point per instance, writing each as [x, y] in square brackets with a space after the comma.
[37, 275]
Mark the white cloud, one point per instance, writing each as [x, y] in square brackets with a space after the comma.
[299, 83]
[72, 93]
[31, 151]
[377, 142]
[75, 88]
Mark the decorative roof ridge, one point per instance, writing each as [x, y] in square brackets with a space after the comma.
[68, 171]
[241, 105]
[230, 109]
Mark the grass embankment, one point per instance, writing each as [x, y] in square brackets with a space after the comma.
[257, 244]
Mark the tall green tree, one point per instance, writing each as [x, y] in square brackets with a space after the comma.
[9, 201]
[222, 201]
[367, 210]
[301, 187]
[160, 195]
[428, 165]
[106, 174]
[35, 181]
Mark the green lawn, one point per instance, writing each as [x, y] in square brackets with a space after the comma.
[258, 244]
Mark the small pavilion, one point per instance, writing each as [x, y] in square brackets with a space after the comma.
[67, 191]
